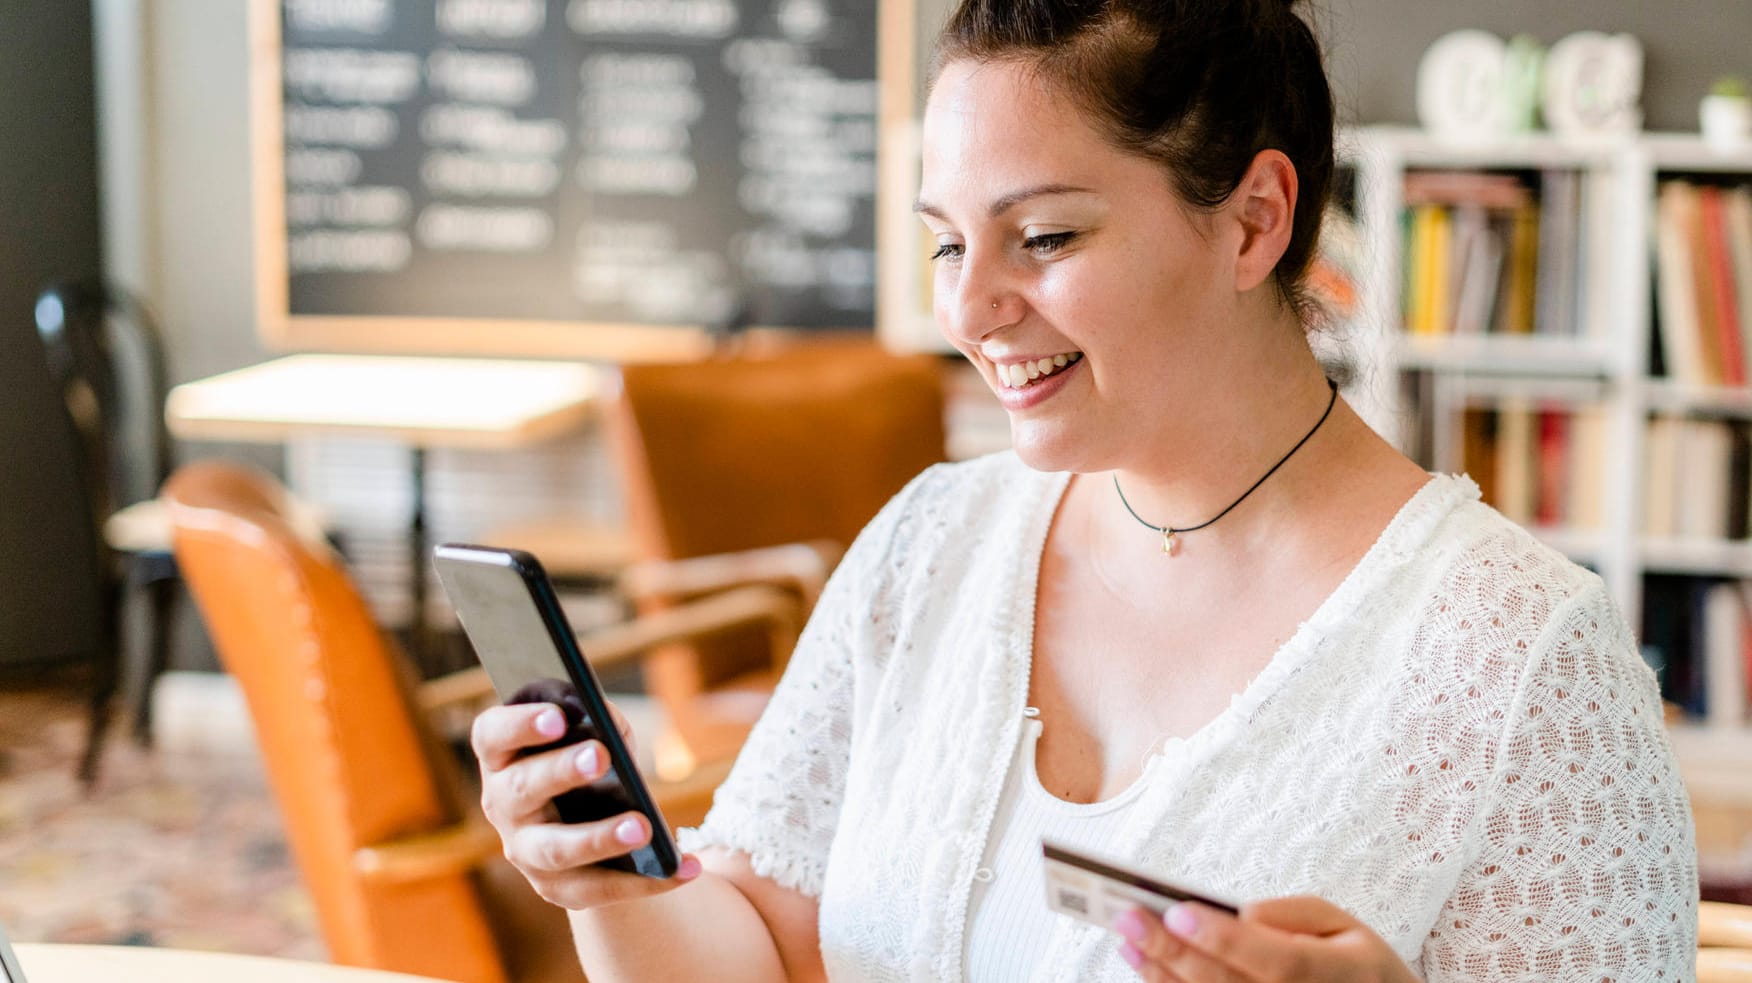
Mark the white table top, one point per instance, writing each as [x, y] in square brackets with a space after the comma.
[427, 402]
[136, 964]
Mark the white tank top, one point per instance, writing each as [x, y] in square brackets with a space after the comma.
[1008, 920]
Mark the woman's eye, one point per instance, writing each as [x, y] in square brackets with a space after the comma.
[947, 250]
[1049, 243]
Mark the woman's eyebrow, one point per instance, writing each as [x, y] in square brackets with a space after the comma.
[1009, 201]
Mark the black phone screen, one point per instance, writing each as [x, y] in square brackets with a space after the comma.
[510, 613]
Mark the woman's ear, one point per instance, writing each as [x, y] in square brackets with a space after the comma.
[1264, 204]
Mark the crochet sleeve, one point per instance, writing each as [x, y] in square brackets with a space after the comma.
[1584, 866]
[780, 804]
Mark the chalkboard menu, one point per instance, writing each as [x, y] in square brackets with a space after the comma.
[577, 163]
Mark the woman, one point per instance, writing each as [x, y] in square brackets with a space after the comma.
[1202, 619]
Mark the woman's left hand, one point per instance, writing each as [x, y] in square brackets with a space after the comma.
[1297, 938]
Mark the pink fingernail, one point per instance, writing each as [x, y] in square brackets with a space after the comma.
[1181, 920]
[1131, 955]
[549, 723]
[1131, 925]
[588, 761]
[629, 831]
[689, 869]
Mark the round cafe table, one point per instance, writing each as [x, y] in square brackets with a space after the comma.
[46, 963]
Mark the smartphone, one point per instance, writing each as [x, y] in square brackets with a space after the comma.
[511, 615]
[10, 971]
[1097, 890]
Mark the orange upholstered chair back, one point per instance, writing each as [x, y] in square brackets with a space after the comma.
[738, 453]
[744, 452]
[346, 757]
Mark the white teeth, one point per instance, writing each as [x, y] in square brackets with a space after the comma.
[1019, 374]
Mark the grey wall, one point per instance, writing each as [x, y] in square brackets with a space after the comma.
[174, 104]
[201, 236]
[1374, 46]
[48, 231]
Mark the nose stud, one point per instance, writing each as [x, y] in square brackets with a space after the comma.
[994, 305]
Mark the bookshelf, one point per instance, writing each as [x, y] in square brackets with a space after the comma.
[1668, 431]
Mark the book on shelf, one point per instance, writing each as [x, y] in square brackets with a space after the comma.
[1477, 269]
[1675, 286]
[1739, 488]
[1695, 479]
[1520, 275]
[1703, 283]
[1718, 276]
[1737, 229]
[1697, 636]
[1559, 241]
[1584, 488]
[1478, 456]
[1540, 465]
[1675, 639]
[1701, 498]
[1725, 652]
[1709, 316]
[1499, 253]
[1517, 465]
[1596, 288]
[1661, 477]
[1552, 477]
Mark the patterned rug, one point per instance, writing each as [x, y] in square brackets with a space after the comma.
[178, 848]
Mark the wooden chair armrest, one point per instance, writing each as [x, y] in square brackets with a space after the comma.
[803, 567]
[465, 688]
[685, 801]
[569, 548]
[464, 846]
[704, 617]
[1724, 965]
[452, 850]
[1720, 924]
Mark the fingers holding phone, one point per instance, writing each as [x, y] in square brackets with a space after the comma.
[519, 783]
[524, 767]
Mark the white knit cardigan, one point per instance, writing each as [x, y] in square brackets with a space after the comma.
[1461, 747]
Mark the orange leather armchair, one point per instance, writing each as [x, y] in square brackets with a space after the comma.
[723, 463]
[403, 872]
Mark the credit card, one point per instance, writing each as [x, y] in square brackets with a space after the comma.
[1097, 890]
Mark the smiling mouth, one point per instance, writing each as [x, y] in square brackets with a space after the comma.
[1021, 375]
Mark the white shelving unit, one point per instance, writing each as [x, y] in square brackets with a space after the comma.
[1607, 365]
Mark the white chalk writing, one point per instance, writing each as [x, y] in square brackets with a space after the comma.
[496, 19]
[496, 230]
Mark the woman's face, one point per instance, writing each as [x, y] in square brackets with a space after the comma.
[1055, 245]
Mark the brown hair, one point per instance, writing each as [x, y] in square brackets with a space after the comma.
[1202, 86]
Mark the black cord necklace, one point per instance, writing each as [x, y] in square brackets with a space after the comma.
[1168, 532]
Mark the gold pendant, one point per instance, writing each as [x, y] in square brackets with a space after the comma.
[1168, 541]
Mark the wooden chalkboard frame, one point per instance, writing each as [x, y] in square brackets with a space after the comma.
[282, 330]
[904, 319]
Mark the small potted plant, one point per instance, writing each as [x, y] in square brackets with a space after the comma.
[1725, 114]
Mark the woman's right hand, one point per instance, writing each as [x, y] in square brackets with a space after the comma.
[517, 796]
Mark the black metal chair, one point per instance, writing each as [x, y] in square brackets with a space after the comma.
[106, 359]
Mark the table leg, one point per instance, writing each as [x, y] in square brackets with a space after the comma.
[419, 642]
